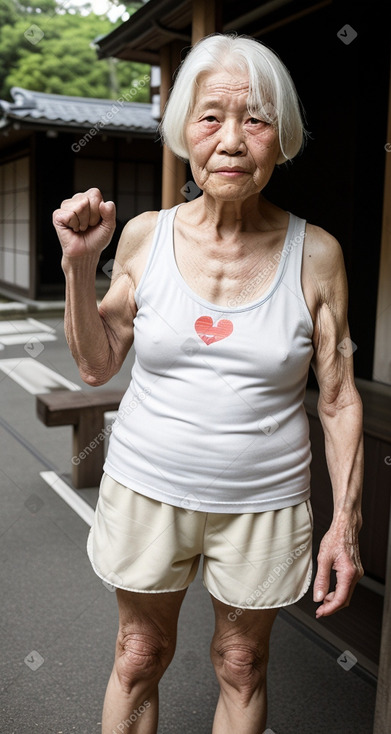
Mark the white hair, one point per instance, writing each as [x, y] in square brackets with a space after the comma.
[272, 94]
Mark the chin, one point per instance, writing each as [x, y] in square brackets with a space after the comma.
[230, 193]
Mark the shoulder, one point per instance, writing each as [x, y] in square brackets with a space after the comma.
[322, 253]
[134, 245]
[323, 272]
[137, 232]
[323, 264]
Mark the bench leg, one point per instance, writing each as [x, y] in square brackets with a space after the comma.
[88, 449]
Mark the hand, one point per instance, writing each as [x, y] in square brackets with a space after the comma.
[84, 224]
[338, 551]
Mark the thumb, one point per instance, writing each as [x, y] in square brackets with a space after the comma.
[107, 211]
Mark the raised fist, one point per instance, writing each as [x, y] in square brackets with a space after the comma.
[84, 224]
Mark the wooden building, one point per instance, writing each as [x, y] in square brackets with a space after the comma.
[52, 146]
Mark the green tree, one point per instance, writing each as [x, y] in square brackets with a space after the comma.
[48, 49]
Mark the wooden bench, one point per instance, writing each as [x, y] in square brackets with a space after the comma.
[84, 410]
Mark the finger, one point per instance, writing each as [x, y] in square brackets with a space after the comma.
[322, 579]
[337, 599]
[107, 213]
[82, 209]
[85, 207]
[329, 606]
[66, 219]
[95, 198]
[74, 213]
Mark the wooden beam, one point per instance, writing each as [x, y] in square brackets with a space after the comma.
[382, 356]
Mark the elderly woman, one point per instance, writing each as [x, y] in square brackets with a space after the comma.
[228, 299]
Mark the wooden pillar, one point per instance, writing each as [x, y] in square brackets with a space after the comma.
[174, 170]
[207, 18]
[382, 357]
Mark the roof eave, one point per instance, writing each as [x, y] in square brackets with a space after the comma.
[139, 24]
[60, 126]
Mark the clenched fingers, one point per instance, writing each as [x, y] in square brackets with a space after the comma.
[79, 212]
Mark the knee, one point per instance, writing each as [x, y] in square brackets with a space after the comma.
[140, 656]
[240, 665]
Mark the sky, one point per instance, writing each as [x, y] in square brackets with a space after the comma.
[101, 7]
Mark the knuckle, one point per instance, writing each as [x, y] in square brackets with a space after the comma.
[94, 191]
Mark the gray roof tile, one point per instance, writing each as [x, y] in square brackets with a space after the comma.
[106, 114]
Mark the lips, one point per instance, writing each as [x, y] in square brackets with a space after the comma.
[230, 170]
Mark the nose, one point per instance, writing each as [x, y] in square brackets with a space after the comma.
[231, 139]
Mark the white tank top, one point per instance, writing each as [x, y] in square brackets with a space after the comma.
[213, 419]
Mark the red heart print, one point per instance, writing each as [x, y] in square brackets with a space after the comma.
[209, 333]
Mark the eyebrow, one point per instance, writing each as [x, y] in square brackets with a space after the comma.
[212, 102]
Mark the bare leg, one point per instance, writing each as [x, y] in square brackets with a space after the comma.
[239, 651]
[144, 649]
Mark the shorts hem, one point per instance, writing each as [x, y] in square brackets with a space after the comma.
[271, 606]
[129, 588]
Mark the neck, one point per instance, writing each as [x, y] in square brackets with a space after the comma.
[227, 218]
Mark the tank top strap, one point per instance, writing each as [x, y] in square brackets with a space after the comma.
[156, 255]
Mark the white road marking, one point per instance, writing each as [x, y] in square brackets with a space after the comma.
[80, 506]
[10, 339]
[24, 326]
[34, 376]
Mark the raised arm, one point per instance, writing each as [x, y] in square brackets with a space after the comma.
[340, 412]
[99, 338]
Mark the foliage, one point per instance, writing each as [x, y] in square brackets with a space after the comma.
[63, 60]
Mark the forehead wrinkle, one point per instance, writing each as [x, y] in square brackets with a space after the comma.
[221, 86]
[216, 95]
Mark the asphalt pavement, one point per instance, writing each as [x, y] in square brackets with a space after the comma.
[58, 621]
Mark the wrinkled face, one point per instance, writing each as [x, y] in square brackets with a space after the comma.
[221, 135]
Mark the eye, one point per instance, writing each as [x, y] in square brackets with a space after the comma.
[210, 118]
[255, 121]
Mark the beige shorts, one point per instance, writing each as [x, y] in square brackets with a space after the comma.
[250, 560]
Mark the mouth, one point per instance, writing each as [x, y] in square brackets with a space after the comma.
[231, 171]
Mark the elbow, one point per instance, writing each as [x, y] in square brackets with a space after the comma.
[93, 380]
[343, 404]
[96, 375]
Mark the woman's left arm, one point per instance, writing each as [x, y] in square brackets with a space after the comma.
[340, 412]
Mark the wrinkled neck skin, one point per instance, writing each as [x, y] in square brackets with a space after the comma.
[227, 219]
